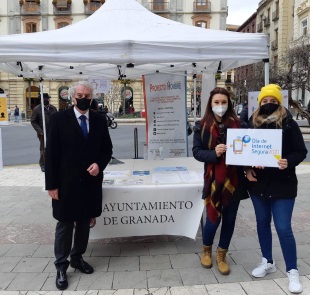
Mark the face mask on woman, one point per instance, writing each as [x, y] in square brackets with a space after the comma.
[268, 108]
[219, 110]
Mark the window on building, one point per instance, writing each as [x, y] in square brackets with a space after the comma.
[304, 27]
[201, 24]
[201, 2]
[62, 25]
[31, 28]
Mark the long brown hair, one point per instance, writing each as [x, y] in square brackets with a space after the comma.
[209, 117]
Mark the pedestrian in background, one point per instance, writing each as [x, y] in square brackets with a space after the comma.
[244, 114]
[220, 180]
[273, 190]
[78, 150]
[9, 114]
[37, 123]
[16, 114]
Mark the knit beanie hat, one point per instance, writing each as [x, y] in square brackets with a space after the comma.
[273, 90]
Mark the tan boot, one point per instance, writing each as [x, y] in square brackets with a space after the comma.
[206, 256]
[222, 264]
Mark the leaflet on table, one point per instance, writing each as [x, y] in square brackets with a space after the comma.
[191, 176]
[116, 174]
[128, 181]
[140, 172]
[168, 169]
[164, 178]
[254, 147]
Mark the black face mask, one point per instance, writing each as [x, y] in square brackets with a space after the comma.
[83, 103]
[46, 102]
[268, 109]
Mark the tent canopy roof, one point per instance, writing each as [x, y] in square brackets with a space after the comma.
[123, 33]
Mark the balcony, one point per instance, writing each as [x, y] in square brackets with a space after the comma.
[275, 15]
[260, 27]
[274, 45]
[91, 7]
[202, 6]
[62, 7]
[30, 8]
[267, 22]
[159, 7]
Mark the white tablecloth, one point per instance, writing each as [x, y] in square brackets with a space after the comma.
[132, 209]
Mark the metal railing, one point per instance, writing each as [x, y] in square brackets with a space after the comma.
[91, 7]
[159, 6]
[30, 8]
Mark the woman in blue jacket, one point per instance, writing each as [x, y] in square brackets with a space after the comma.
[273, 190]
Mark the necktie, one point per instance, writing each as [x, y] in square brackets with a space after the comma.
[84, 125]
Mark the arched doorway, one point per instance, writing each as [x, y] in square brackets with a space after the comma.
[1, 90]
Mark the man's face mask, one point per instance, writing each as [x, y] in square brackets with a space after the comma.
[83, 103]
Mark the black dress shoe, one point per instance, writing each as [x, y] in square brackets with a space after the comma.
[42, 168]
[61, 280]
[82, 265]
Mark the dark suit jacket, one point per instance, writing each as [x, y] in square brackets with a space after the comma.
[37, 118]
[68, 155]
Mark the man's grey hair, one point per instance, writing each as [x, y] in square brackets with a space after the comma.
[72, 89]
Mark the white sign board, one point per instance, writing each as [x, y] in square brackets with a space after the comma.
[254, 147]
[143, 210]
[165, 105]
[253, 103]
[99, 85]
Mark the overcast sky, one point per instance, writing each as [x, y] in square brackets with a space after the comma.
[240, 10]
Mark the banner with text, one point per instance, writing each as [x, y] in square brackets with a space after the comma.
[4, 119]
[165, 105]
[254, 147]
[99, 85]
[144, 210]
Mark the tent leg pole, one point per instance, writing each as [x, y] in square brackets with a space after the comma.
[195, 91]
[43, 113]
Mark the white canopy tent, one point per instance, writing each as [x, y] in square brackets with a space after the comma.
[124, 38]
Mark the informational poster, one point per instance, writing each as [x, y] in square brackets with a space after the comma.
[4, 119]
[99, 85]
[254, 147]
[165, 105]
[1, 159]
[253, 103]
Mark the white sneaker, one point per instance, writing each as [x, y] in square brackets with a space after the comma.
[294, 282]
[263, 268]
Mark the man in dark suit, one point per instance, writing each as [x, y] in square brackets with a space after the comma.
[78, 150]
[37, 123]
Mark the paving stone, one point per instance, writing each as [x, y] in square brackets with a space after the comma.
[136, 249]
[237, 274]
[197, 276]
[28, 281]
[6, 279]
[185, 260]
[163, 278]
[155, 262]
[22, 250]
[152, 291]
[4, 248]
[163, 248]
[189, 290]
[242, 243]
[130, 279]
[31, 265]
[106, 250]
[46, 251]
[245, 256]
[116, 292]
[123, 263]
[8, 263]
[283, 283]
[225, 289]
[261, 287]
[96, 281]
[188, 246]
[303, 251]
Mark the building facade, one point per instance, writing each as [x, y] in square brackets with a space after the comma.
[29, 16]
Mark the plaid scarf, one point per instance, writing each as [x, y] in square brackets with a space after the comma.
[220, 180]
